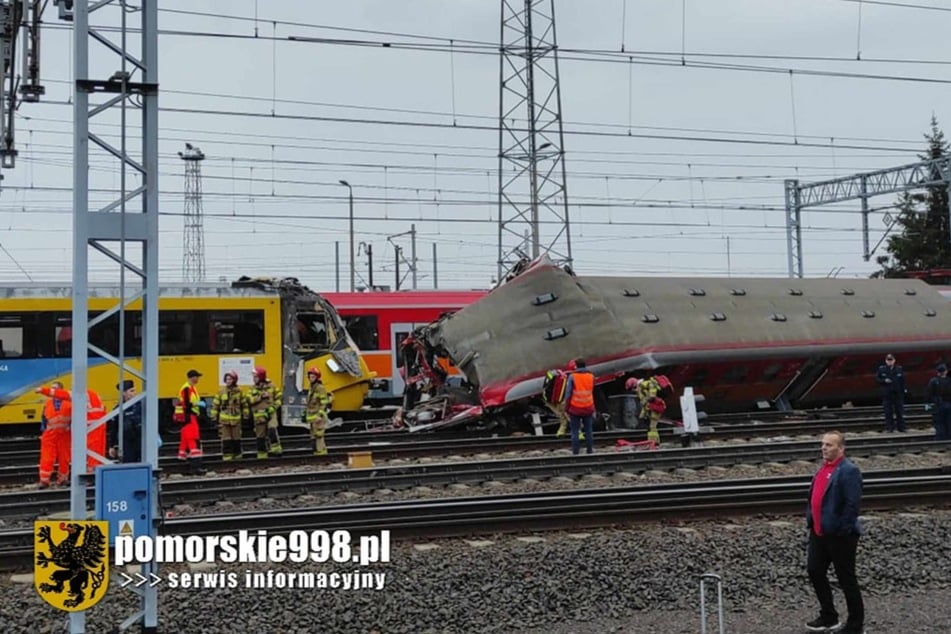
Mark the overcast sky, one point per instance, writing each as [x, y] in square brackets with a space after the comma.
[708, 202]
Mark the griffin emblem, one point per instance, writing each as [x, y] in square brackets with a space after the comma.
[72, 563]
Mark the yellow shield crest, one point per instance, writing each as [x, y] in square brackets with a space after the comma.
[72, 562]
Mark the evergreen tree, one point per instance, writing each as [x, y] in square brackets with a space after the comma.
[925, 240]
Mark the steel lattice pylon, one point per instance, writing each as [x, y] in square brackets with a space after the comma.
[930, 173]
[116, 83]
[533, 201]
[193, 260]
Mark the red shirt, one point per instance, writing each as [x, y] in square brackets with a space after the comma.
[819, 484]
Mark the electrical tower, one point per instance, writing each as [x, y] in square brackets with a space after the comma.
[532, 188]
[115, 115]
[193, 260]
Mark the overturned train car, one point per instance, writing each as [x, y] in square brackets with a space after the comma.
[744, 343]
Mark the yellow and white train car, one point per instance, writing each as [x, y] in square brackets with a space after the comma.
[277, 324]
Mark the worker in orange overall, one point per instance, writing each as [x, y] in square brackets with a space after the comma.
[95, 439]
[55, 439]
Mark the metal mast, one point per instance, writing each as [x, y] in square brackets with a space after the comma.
[120, 87]
[532, 187]
[193, 261]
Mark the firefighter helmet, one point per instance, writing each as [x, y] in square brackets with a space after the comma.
[233, 375]
[631, 384]
[572, 366]
[664, 382]
[260, 374]
[314, 370]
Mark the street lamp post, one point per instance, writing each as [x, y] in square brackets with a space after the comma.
[352, 255]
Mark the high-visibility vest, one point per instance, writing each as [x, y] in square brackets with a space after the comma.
[582, 393]
[179, 414]
[58, 410]
[230, 406]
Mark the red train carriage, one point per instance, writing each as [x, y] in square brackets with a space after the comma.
[379, 321]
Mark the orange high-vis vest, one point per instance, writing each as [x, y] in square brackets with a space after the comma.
[57, 410]
[582, 393]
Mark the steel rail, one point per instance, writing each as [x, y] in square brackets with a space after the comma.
[545, 511]
[405, 446]
[28, 504]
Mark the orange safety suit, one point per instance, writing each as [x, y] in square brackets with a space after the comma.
[55, 440]
[96, 439]
[186, 410]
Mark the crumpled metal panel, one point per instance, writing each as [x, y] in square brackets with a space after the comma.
[620, 324]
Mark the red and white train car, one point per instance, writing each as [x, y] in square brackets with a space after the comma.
[379, 321]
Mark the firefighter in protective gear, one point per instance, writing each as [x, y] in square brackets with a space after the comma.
[652, 404]
[95, 435]
[229, 408]
[315, 413]
[264, 400]
[55, 441]
[187, 408]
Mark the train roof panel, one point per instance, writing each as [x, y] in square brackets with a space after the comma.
[405, 299]
[64, 290]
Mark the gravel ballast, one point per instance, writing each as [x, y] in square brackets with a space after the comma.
[638, 579]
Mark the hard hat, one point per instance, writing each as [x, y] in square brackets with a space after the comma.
[631, 383]
[260, 373]
[572, 365]
[314, 370]
[232, 374]
[664, 382]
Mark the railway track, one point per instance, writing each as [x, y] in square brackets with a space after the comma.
[544, 511]
[20, 467]
[30, 504]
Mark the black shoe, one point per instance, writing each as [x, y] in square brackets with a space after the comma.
[823, 624]
[850, 629]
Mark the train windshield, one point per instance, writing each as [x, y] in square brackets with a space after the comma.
[313, 331]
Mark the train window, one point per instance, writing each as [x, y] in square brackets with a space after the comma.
[735, 374]
[104, 335]
[312, 330]
[177, 332]
[12, 335]
[772, 371]
[364, 330]
[236, 331]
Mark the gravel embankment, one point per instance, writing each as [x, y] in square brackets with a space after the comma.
[641, 579]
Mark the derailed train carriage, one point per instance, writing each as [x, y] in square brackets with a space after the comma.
[744, 343]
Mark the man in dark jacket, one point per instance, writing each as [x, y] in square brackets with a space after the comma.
[131, 427]
[891, 381]
[832, 517]
[938, 395]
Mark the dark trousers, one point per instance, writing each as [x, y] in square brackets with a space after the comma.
[840, 552]
[894, 405]
[942, 421]
[575, 423]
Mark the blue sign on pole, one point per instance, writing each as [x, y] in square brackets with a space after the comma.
[124, 499]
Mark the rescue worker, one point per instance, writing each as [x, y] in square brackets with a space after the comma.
[96, 438]
[55, 441]
[938, 395]
[632, 407]
[264, 399]
[187, 409]
[579, 395]
[131, 450]
[229, 408]
[558, 408]
[652, 405]
[315, 413]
